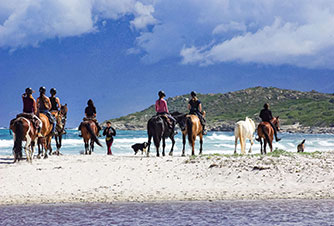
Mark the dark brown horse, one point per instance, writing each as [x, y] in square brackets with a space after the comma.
[61, 117]
[157, 127]
[44, 143]
[191, 127]
[23, 130]
[266, 133]
[89, 133]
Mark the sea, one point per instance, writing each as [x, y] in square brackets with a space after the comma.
[214, 142]
[261, 212]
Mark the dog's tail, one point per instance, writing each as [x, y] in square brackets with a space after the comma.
[303, 142]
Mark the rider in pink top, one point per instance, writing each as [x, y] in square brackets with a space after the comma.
[162, 109]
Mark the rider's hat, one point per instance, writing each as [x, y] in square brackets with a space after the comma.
[161, 94]
[29, 91]
[42, 89]
[53, 91]
[193, 93]
[266, 106]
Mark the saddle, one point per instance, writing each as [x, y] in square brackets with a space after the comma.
[167, 120]
[28, 116]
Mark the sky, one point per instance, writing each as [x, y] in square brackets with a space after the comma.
[120, 53]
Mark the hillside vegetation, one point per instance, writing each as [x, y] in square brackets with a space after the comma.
[223, 110]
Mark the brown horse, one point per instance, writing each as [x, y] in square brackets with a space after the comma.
[89, 132]
[266, 132]
[60, 117]
[191, 127]
[23, 130]
[44, 143]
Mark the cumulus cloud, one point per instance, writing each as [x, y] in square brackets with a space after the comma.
[30, 22]
[298, 32]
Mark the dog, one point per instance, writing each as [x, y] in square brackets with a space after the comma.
[301, 146]
[142, 147]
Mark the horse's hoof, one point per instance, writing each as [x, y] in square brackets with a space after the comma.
[183, 155]
[46, 156]
[38, 156]
[170, 153]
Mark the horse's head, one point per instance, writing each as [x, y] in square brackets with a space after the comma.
[63, 110]
[276, 123]
[61, 118]
[180, 119]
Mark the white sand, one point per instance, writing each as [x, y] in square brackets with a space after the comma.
[101, 178]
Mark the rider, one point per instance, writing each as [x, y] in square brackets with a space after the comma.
[55, 103]
[162, 109]
[44, 105]
[266, 116]
[29, 107]
[90, 113]
[195, 108]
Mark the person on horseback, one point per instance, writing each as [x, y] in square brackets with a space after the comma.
[266, 116]
[55, 103]
[29, 107]
[195, 108]
[90, 113]
[44, 105]
[162, 109]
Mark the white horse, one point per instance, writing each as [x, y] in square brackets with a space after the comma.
[242, 131]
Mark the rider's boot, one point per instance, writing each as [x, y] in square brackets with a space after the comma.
[204, 130]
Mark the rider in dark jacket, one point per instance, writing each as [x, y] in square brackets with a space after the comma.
[195, 108]
[266, 116]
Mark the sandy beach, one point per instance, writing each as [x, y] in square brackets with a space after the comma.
[100, 178]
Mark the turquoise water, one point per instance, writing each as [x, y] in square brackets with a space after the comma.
[264, 213]
[214, 142]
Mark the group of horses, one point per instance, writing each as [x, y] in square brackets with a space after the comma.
[23, 129]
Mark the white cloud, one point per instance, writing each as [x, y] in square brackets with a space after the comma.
[30, 22]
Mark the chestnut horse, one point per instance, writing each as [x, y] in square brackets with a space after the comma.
[266, 132]
[44, 143]
[61, 117]
[89, 132]
[191, 127]
[23, 130]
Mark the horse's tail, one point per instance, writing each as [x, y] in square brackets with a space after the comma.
[92, 134]
[18, 125]
[189, 130]
[241, 138]
[265, 133]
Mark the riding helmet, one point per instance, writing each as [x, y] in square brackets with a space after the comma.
[161, 94]
[266, 106]
[42, 89]
[193, 93]
[53, 91]
[29, 91]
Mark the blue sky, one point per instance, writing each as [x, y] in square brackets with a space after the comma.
[121, 53]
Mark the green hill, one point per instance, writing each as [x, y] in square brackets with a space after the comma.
[311, 109]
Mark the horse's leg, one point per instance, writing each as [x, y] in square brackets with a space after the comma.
[265, 146]
[39, 147]
[235, 144]
[47, 146]
[163, 145]
[200, 143]
[86, 146]
[271, 145]
[149, 145]
[261, 145]
[27, 147]
[157, 140]
[91, 147]
[173, 143]
[184, 144]
[242, 144]
[251, 141]
[60, 138]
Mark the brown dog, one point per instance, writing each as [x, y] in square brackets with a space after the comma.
[301, 146]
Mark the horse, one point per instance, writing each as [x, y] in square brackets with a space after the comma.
[61, 117]
[44, 142]
[157, 127]
[23, 130]
[89, 132]
[242, 131]
[191, 127]
[266, 132]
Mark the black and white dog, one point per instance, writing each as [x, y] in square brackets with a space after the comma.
[142, 147]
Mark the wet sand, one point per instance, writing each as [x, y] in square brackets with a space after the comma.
[101, 178]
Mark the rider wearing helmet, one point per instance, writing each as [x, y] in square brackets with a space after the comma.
[29, 107]
[55, 102]
[195, 108]
[162, 109]
[266, 116]
[44, 105]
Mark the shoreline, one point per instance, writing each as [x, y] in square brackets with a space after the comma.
[116, 179]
